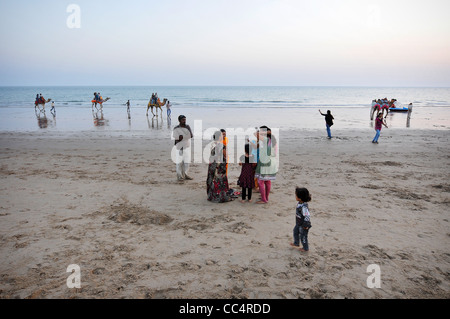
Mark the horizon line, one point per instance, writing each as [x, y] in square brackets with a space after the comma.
[210, 85]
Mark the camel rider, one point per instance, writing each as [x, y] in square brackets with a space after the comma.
[37, 99]
[153, 99]
[41, 98]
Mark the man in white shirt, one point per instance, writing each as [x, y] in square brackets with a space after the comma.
[182, 134]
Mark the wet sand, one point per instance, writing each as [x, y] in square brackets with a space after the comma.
[112, 205]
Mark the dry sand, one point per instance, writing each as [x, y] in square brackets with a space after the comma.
[113, 206]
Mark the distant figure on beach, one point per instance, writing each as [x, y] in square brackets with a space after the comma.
[247, 178]
[302, 219]
[379, 122]
[182, 134]
[128, 109]
[169, 110]
[217, 188]
[154, 98]
[53, 110]
[328, 121]
[225, 142]
[267, 167]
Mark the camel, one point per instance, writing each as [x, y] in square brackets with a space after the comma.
[94, 103]
[380, 106]
[157, 105]
[375, 108]
[41, 102]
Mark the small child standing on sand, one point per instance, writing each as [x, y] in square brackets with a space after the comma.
[247, 177]
[302, 219]
[378, 125]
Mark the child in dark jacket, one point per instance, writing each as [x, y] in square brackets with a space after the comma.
[247, 177]
[302, 219]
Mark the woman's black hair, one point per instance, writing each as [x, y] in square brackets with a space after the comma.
[303, 194]
[247, 148]
[216, 136]
[269, 134]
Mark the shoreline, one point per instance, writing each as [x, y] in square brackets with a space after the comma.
[116, 119]
[113, 206]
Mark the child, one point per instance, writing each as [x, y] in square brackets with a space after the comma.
[254, 145]
[302, 219]
[378, 125]
[247, 177]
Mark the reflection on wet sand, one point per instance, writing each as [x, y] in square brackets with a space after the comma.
[99, 119]
[43, 121]
[156, 122]
[42, 118]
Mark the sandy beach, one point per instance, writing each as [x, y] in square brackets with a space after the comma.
[112, 205]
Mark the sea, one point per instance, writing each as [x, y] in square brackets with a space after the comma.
[228, 107]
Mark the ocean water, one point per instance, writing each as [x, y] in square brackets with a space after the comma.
[221, 107]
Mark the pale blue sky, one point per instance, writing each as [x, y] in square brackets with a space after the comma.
[226, 42]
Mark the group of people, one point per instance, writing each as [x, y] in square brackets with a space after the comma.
[379, 122]
[259, 164]
[381, 105]
[155, 100]
[97, 97]
[41, 100]
[259, 167]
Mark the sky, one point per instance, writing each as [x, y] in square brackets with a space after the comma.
[225, 42]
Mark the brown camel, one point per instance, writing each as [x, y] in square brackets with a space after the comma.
[94, 103]
[157, 105]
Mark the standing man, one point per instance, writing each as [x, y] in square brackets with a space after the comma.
[53, 110]
[128, 109]
[328, 121]
[182, 134]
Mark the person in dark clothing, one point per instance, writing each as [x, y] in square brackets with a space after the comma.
[329, 121]
[247, 178]
[302, 219]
